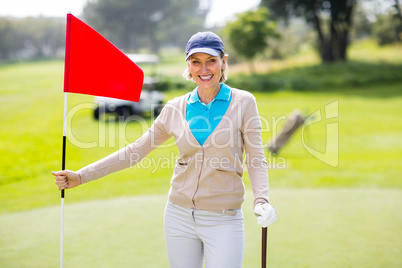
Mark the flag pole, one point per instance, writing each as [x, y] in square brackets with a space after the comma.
[86, 58]
[63, 164]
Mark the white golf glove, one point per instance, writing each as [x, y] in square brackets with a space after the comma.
[266, 214]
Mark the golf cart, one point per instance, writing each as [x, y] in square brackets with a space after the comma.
[151, 101]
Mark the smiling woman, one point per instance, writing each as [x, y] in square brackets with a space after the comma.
[214, 127]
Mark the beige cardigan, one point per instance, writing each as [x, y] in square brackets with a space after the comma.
[208, 176]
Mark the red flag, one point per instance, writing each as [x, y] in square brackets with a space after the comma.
[94, 66]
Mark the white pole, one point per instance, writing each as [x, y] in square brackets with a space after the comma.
[65, 114]
[62, 232]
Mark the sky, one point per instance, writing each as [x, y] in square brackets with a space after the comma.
[221, 10]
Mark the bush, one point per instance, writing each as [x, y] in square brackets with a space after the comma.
[321, 77]
[166, 83]
[256, 82]
[387, 28]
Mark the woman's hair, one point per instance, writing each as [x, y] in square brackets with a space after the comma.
[187, 75]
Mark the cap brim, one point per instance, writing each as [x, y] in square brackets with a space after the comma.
[206, 50]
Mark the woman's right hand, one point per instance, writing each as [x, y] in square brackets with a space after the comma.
[67, 179]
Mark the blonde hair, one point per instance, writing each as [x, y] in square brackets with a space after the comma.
[188, 76]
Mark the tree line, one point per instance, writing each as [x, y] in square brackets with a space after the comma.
[31, 38]
[132, 25]
[135, 25]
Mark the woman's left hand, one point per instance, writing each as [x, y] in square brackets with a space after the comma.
[266, 214]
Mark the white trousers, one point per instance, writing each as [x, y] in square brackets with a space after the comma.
[193, 235]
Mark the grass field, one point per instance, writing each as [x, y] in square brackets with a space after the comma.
[344, 215]
[316, 228]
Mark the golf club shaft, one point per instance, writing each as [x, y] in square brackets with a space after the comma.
[264, 248]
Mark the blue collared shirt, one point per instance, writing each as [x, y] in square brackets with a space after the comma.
[204, 118]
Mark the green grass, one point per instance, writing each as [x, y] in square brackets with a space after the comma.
[315, 228]
[345, 215]
[369, 148]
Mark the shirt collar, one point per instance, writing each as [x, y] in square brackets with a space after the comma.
[223, 94]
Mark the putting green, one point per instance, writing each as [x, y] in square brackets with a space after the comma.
[315, 228]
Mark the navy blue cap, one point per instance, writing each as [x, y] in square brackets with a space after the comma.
[204, 42]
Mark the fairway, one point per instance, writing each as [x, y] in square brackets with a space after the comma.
[315, 228]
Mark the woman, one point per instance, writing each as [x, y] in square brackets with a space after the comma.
[213, 126]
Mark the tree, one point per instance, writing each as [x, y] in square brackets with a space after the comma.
[387, 29]
[387, 25]
[132, 24]
[182, 19]
[333, 40]
[250, 32]
[29, 38]
[41, 36]
[126, 22]
[362, 26]
[398, 14]
[395, 22]
[9, 40]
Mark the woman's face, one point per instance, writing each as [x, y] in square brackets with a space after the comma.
[206, 69]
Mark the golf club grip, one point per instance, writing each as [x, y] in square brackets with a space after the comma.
[264, 248]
